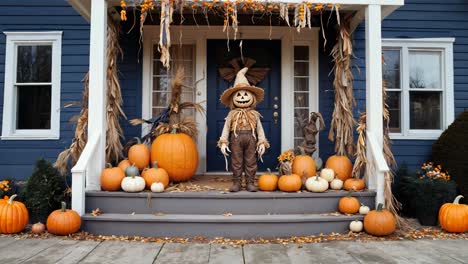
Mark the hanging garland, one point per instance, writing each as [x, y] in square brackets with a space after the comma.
[302, 14]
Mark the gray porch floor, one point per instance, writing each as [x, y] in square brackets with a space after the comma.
[43, 251]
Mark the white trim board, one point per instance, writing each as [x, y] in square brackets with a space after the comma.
[13, 40]
[199, 36]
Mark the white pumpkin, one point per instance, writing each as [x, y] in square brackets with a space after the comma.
[327, 174]
[157, 187]
[316, 184]
[356, 226]
[133, 184]
[336, 184]
[364, 209]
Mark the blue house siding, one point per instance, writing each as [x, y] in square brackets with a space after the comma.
[423, 19]
[17, 158]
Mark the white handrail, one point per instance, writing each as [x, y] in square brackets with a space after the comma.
[377, 153]
[79, 173]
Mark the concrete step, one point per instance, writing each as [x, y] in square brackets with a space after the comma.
[218, 203]
[210, 226]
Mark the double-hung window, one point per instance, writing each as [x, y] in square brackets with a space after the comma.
[418, 75]
[31, 107]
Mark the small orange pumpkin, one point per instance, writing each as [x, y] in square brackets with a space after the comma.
[155, 174]
[177, 154]
[453, 217]
[13, 216]
[63, 221]
[38, 228]
[348, 204]
[290, 183]
[268, 182]
[111, 178]
[341, 165]
[304, 165]
[379, 222]
[139, 155]
[124, 164]
[354, 184]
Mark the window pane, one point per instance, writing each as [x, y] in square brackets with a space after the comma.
[34, 64]
[301, 52]
[301, 99]
[161, 99]
[301, 84]
[301, 69]
[391, 68]
[394, 108]
[161, 84]
[33, 107]
[425, 110]
[300, 118]
[425, 69]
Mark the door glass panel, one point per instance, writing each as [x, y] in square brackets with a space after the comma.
[425, 69]
[425, 110]
[301, 91]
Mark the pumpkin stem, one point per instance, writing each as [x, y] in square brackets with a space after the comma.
[10, 201]
[64, 207]
[379, 207]
[457, 199]
[317, 178]
[155, 165]
[138, 140]
[174, 130]
[269, 171]
[350, 192]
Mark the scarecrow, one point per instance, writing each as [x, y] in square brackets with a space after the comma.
[243, 131]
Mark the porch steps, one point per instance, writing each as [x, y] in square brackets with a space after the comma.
[218, 214]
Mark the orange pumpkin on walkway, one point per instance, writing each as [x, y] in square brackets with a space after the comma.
[139, 155]
[111, 178]
[63, 221]
[155, 174]
[13, 216]
[341, 165]
[380, 222]
[304, 165]
[177, 154]
[453, 217]
[268, 182]
[354, 184]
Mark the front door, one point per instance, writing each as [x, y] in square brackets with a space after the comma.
[267, 54]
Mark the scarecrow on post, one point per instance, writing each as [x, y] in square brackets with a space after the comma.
[243, 131]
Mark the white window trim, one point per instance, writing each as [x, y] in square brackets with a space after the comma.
[13, 39]
[447, 104]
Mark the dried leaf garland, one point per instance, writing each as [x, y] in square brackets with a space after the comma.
[342, 124]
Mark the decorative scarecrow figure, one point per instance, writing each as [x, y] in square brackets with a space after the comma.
[243, 131]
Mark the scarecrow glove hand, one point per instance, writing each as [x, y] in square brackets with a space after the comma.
[261, 149]
[225, 149]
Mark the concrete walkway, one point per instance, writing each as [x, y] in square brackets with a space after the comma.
[68, 251]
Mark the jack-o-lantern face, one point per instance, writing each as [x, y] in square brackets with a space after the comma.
[243, 99]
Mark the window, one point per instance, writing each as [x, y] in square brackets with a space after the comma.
[181, 56]
[32, 85]
[418, 74]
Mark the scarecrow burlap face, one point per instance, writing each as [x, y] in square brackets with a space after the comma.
[243, 99]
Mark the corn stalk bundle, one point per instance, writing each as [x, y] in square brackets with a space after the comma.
[167, 11]
[113, 110]
[342, 124]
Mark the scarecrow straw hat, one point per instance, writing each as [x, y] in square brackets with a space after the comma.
[241, 83]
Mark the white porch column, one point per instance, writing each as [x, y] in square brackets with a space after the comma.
[374, 119]
[97, 90]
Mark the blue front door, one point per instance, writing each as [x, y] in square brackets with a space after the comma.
[267, 54]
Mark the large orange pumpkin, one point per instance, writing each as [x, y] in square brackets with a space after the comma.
[453, 217]
[13, 216]
[348, 205]
[290, 183]
[111, 178]
[124, 164]
[304, 165]
[268, 182]
[341, 165]
[379, 222]
[63, 221]
[354, 184]
[177, 154]
[155, 174]
[139, 155]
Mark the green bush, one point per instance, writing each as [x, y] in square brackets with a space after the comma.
[44, 191]
[451, 151]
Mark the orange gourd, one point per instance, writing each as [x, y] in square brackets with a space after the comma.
[177, 154]
[124, 164]
[348, 204]
[379, 222]
[304, 165]
[268, 182]
[453, 217]
[13, 216]
[38, 228]
[155, 174]
[63, 221]
[290, 183]
[139, 155]
[354, 184]
[111, 178]
[341, 165]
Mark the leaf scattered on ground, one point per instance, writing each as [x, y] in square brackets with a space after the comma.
[96, 212]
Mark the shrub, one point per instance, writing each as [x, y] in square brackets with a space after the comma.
[451, 151]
